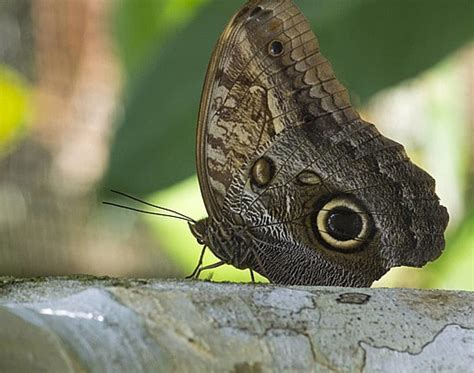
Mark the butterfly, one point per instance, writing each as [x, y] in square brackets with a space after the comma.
[297, 186]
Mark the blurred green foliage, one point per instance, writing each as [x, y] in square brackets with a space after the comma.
[454, 269]
[14, 107]
[372, 45]
[142, 26]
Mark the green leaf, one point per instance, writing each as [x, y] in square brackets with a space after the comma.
[154, 145]
[141, 26]
[372, 45]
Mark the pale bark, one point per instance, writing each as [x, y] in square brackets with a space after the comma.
[110, 325]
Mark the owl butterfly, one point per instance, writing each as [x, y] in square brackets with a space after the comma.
[297, 186]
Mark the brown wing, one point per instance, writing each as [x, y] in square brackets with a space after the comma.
[282, 156]
[249, 95]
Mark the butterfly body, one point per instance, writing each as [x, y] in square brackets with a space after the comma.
[297, 186]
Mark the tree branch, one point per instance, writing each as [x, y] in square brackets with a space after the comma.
[110, 325]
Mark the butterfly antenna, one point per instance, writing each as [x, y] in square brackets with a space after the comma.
[184, 217]
[147, 212]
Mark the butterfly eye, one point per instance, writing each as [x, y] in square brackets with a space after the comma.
[275, 48]
[343, 224]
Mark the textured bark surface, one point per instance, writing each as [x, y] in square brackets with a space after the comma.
[111, 325]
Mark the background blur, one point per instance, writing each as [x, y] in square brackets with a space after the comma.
[101, 94]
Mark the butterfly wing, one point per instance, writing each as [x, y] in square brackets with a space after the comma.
[322, 197]
[242, 106]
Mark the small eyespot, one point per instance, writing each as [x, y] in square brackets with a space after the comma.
[262, 172]
[275, 48]
[343, 224]
[309, 178]
[255, 12]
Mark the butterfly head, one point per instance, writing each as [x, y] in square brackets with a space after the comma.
[199, 230]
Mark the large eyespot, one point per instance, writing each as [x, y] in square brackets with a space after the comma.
[343, 224]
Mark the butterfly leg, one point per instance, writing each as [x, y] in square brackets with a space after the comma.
[201, 257]
[252, 276]
[211, 266]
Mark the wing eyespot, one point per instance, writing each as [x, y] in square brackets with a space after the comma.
[343, 224]
[262, 172]
[275, 48]
[309, 178]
